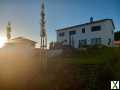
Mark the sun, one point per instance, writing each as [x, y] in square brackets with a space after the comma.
[2, 41]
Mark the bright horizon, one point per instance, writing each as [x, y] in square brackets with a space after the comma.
[24, 15]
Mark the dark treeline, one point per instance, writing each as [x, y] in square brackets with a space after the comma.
[117, 35]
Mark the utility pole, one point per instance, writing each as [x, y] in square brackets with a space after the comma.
[43, 35]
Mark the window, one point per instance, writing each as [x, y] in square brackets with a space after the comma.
[83, 30]
[95, 28]
[82, 42]
[95, 41]
[65, 40]
[61, 34]
[72, 32]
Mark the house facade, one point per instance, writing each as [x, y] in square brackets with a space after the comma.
[91, 33]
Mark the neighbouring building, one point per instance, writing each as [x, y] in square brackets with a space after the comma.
[117, 43]
[20, 42]
[19, 46]
[90, 33]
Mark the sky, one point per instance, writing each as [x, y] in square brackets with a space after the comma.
[24, 15]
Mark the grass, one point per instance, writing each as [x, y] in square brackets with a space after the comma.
[108, 60]
[90, 56]
[63, 72]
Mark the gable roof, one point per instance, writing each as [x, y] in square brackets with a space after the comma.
[88, 23]
[21, 39]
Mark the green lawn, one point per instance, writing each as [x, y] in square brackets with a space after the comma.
[72, 70]
[72, 61]
[90, 56]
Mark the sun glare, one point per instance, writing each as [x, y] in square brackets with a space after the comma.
[2, 41]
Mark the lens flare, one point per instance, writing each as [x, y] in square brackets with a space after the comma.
[2, 41]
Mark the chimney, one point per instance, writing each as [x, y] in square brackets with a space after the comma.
[91, 19]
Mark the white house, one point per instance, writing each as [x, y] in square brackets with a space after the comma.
[90, 33]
